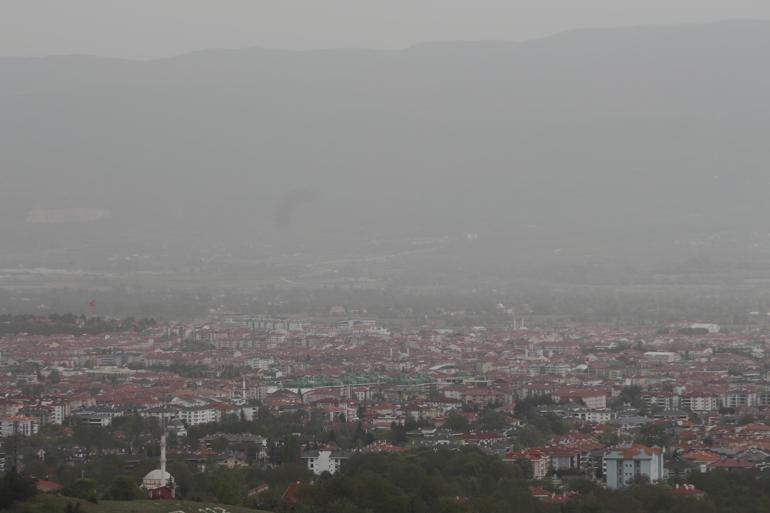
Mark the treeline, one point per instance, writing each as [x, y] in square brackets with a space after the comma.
[468, 481]
[424, 481]
[459, 480]
[69, 324]
[725, 492]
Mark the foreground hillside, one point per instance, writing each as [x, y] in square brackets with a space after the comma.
[57, 504]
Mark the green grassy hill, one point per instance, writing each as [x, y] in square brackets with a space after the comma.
[57, 504]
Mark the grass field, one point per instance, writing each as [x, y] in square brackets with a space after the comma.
[56, 504]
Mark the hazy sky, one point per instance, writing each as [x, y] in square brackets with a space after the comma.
[153, 28]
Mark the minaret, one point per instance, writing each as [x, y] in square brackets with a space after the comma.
[163, 456]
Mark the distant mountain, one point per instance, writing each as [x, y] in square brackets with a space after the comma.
[642, 142]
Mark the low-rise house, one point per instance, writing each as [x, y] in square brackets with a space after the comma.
[702, 459]
[731, 464]
[540, 461]
[45, 486]
[232, 462]
[687, 490]
[258, 490]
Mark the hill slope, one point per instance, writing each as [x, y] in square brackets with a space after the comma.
[629, 143]
[56, 504]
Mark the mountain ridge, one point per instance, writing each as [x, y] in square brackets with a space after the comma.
[623, 139]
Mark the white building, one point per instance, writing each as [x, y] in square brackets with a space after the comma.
[602, 415]
[738, 398]
[699, 402]
[199, 415]
[625, 465]
[260, 363]
[249, 413]
[324, 461]
[158, 483]
[580, 413]
[19, 425]
[662, 356]
[59, 412]
[711, 328]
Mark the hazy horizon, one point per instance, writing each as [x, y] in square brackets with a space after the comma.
[148, 30]
[405, 47]
[625, 157]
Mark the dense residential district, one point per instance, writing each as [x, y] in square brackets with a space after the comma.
[277, 414]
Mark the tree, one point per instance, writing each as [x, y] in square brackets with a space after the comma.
[220, 444]
[72, 508]
[226, 486]
[653, 435]
[54, 377]
[286, 451]
[631, 395]
[269, 500]
[491, 420]
[15, 488]
[457, 423]
[345, 506]
[527, 468]
[183, 476]
[397, 433]
[123, 488]
[424, 481]
[82, 489]
[359, 436]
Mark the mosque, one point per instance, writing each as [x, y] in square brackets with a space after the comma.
[159, 484]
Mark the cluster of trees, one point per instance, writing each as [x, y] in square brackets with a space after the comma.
[726, 492]
[424, 481]
[353, 436]
[734, 492]
[631, 396]
[15, 488]
[640, 498]
[312, 427]
[120, 488]
[538, 429]
[265, 424]
[131, 434]
[489, 419]
[468, 481]
[69, 324]
[112, 475]
[442, 480]
[110, 480]
[430, 480]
